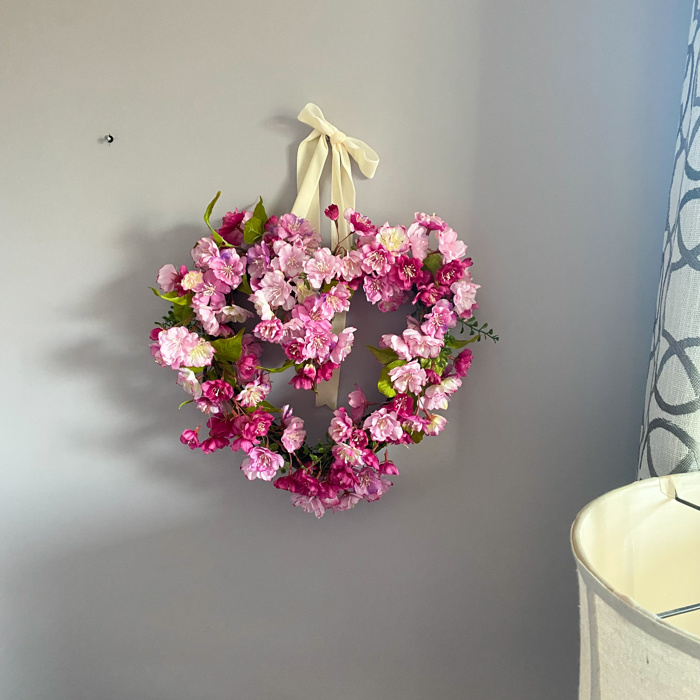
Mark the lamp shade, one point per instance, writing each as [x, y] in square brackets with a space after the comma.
[637, 552]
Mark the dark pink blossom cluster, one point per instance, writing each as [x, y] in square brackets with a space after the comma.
[283, 287]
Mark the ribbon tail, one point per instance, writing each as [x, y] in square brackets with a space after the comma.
[327, 392]
[311, 158]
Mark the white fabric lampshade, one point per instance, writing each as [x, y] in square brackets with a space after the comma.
[637, 552]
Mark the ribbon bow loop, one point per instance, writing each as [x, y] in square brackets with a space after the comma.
[311, 157]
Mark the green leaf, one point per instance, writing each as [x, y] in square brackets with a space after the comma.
[207, 214]
[268, 407]
[396, 363]
[255, 226]
[184, 403]
[384, 384]
[244, 286]
[173, 297]
[384, 355]
[182, 313]
[275, 370]
[416, 435]
[228, 349]
[433, 262]
[462, 343]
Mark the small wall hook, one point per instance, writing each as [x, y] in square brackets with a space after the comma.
[109, 138]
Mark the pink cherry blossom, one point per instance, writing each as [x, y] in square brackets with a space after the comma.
[204, 250]
[450, 272]
[217, 390]
[432, 222]
[462, 362]
[254, 392]
[449, 245]
[175, 345]
[393, 238]
[211, 292]
[228, 268]
[383, 425]
[234, 314]
[309, 504]
[270, 331]
[318, 340]
[358, 222]
[435, 425]
[347, 454]
[419, 241]
[321, 268]
[358, 403]
[371, 485]
[294, 434]
[376, 259]
[291, 259]
[262, 463]
[208, 318]
[343, 345]
[408, 377]
[276, 290]
[187, 379]
[201, 355]
[341, 426]
[346, 501]
[332, 212]
[190, 438]
[349, 267]
[464, 297]
[213, 444]
[168, 278]
[439, 320]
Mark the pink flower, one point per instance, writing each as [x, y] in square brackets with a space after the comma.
[217, 390]
[450, 272]
[346, 501]
[359, 439]
[321, 268]
[276, 290]
[318, 340]
[204, 250]
[358, 222]
[341, 426]
[304, 378]
[231, 226]
[402, 405]
[464, 297]
[211, 292]
[371, 485]
[342, 347]
[297, 230]
[409, 377]
[393, 238]
[255, 392]
[309, 504]
[358, 403]
[383, 425]
[187, 379]
[435, 398]
[261, 463]
[432, 222]
[213, 444]
[271, 330]
[228, 268]
[291, 259]
[424, 346]
[258, 257]
[449, 245]
[406, 271]
[376, 259]
[208, 318]
[246, 367]
[349, 267]
[169, 278]
[332, 212]
[325, 371]
[234, 314]
[347, 454]
[175, 345]
[337, 300]
[201, 355]
[435, 425]
[418, 240]
[462, 362]
[439, 320]
[429, 294]
[294, 434]
[190, 438]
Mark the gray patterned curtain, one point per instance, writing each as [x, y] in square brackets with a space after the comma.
[670, 441]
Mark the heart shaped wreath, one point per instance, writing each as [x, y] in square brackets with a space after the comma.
[275, 270]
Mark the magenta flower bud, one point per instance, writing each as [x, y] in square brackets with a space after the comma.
[332, 212]
[462, 362]
[388, 467]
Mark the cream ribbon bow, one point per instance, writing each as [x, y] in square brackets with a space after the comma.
[311, 157]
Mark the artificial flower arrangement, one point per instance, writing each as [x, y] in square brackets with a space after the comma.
[274, 274]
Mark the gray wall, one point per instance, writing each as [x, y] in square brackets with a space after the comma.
[132, 568]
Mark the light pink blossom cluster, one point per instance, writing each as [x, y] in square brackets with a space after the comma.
[280, 286]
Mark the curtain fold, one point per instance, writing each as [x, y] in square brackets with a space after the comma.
[670, 439]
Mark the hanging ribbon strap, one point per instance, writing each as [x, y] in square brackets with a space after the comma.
[311, 158]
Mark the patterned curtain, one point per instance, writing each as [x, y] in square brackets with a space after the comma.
[670, 441]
